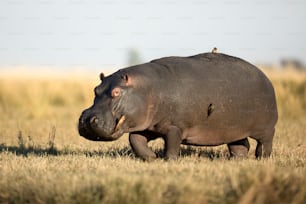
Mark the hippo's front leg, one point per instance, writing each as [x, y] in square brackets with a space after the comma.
[139, 144]
[173, 142]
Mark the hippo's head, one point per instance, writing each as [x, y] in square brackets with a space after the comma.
[119, 106]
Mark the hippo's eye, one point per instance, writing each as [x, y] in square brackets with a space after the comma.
[116, 92]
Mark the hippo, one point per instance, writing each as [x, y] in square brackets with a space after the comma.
[207, 99]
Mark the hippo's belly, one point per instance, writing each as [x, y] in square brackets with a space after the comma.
[200, 135]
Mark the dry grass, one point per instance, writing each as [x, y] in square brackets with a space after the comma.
[43, 160]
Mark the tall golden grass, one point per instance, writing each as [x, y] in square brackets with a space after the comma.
[43, 159]
[290, 87]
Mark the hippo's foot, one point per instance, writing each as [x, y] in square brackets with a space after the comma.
[264, 144]
[239, 149]
[139, 144]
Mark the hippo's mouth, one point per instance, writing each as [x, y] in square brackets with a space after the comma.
[119, 123]
[117, 131]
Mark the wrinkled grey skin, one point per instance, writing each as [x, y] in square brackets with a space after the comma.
[207, 99]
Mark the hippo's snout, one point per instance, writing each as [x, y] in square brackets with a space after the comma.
[86, 126]
[95, 127]
[87, 123]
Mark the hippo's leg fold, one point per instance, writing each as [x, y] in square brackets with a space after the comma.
[264, 144]
[173, 142]
[239, 149]
[139, 144]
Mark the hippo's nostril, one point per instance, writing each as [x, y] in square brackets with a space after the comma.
[94, 120]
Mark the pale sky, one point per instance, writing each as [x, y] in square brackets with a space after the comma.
[97, 34]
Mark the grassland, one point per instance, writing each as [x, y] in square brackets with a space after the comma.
[43, 160]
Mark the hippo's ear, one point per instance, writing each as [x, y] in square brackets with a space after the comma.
[101, 76]
[125, 79]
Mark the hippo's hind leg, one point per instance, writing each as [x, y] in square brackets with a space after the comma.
[239, 149]
[139, 143]
[264, 143]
